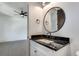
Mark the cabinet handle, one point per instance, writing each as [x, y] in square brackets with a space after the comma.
[35, 51]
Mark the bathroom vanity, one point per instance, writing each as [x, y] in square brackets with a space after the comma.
[44, 45]
[48, 45]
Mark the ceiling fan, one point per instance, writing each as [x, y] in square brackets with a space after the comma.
[22, 13]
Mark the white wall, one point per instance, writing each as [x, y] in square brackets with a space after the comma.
[12, 28]
[35, 12]
[71, 26]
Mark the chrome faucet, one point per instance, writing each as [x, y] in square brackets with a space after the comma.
[49, 33]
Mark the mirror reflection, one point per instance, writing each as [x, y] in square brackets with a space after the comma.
[54, 19]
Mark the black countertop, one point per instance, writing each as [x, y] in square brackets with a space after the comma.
[57, 39]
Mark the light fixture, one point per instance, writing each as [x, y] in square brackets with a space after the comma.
[45, 3]
[22, 13]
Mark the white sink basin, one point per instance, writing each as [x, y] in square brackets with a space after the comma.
[44, 41]
[51, 43]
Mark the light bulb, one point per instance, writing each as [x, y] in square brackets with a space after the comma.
[22, 15]
[43, 3]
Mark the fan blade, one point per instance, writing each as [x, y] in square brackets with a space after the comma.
[26, 15]
[25, 12]
[17, 12]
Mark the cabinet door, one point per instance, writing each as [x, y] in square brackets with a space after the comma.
[36, 52]
[40, 49]
[41, 53]
[33, 51]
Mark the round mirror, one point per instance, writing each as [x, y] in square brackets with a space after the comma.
[54, 19]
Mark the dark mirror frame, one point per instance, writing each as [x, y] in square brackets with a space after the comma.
[60, 26]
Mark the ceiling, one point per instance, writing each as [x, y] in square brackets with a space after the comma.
[9, 8]
[17, 5]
